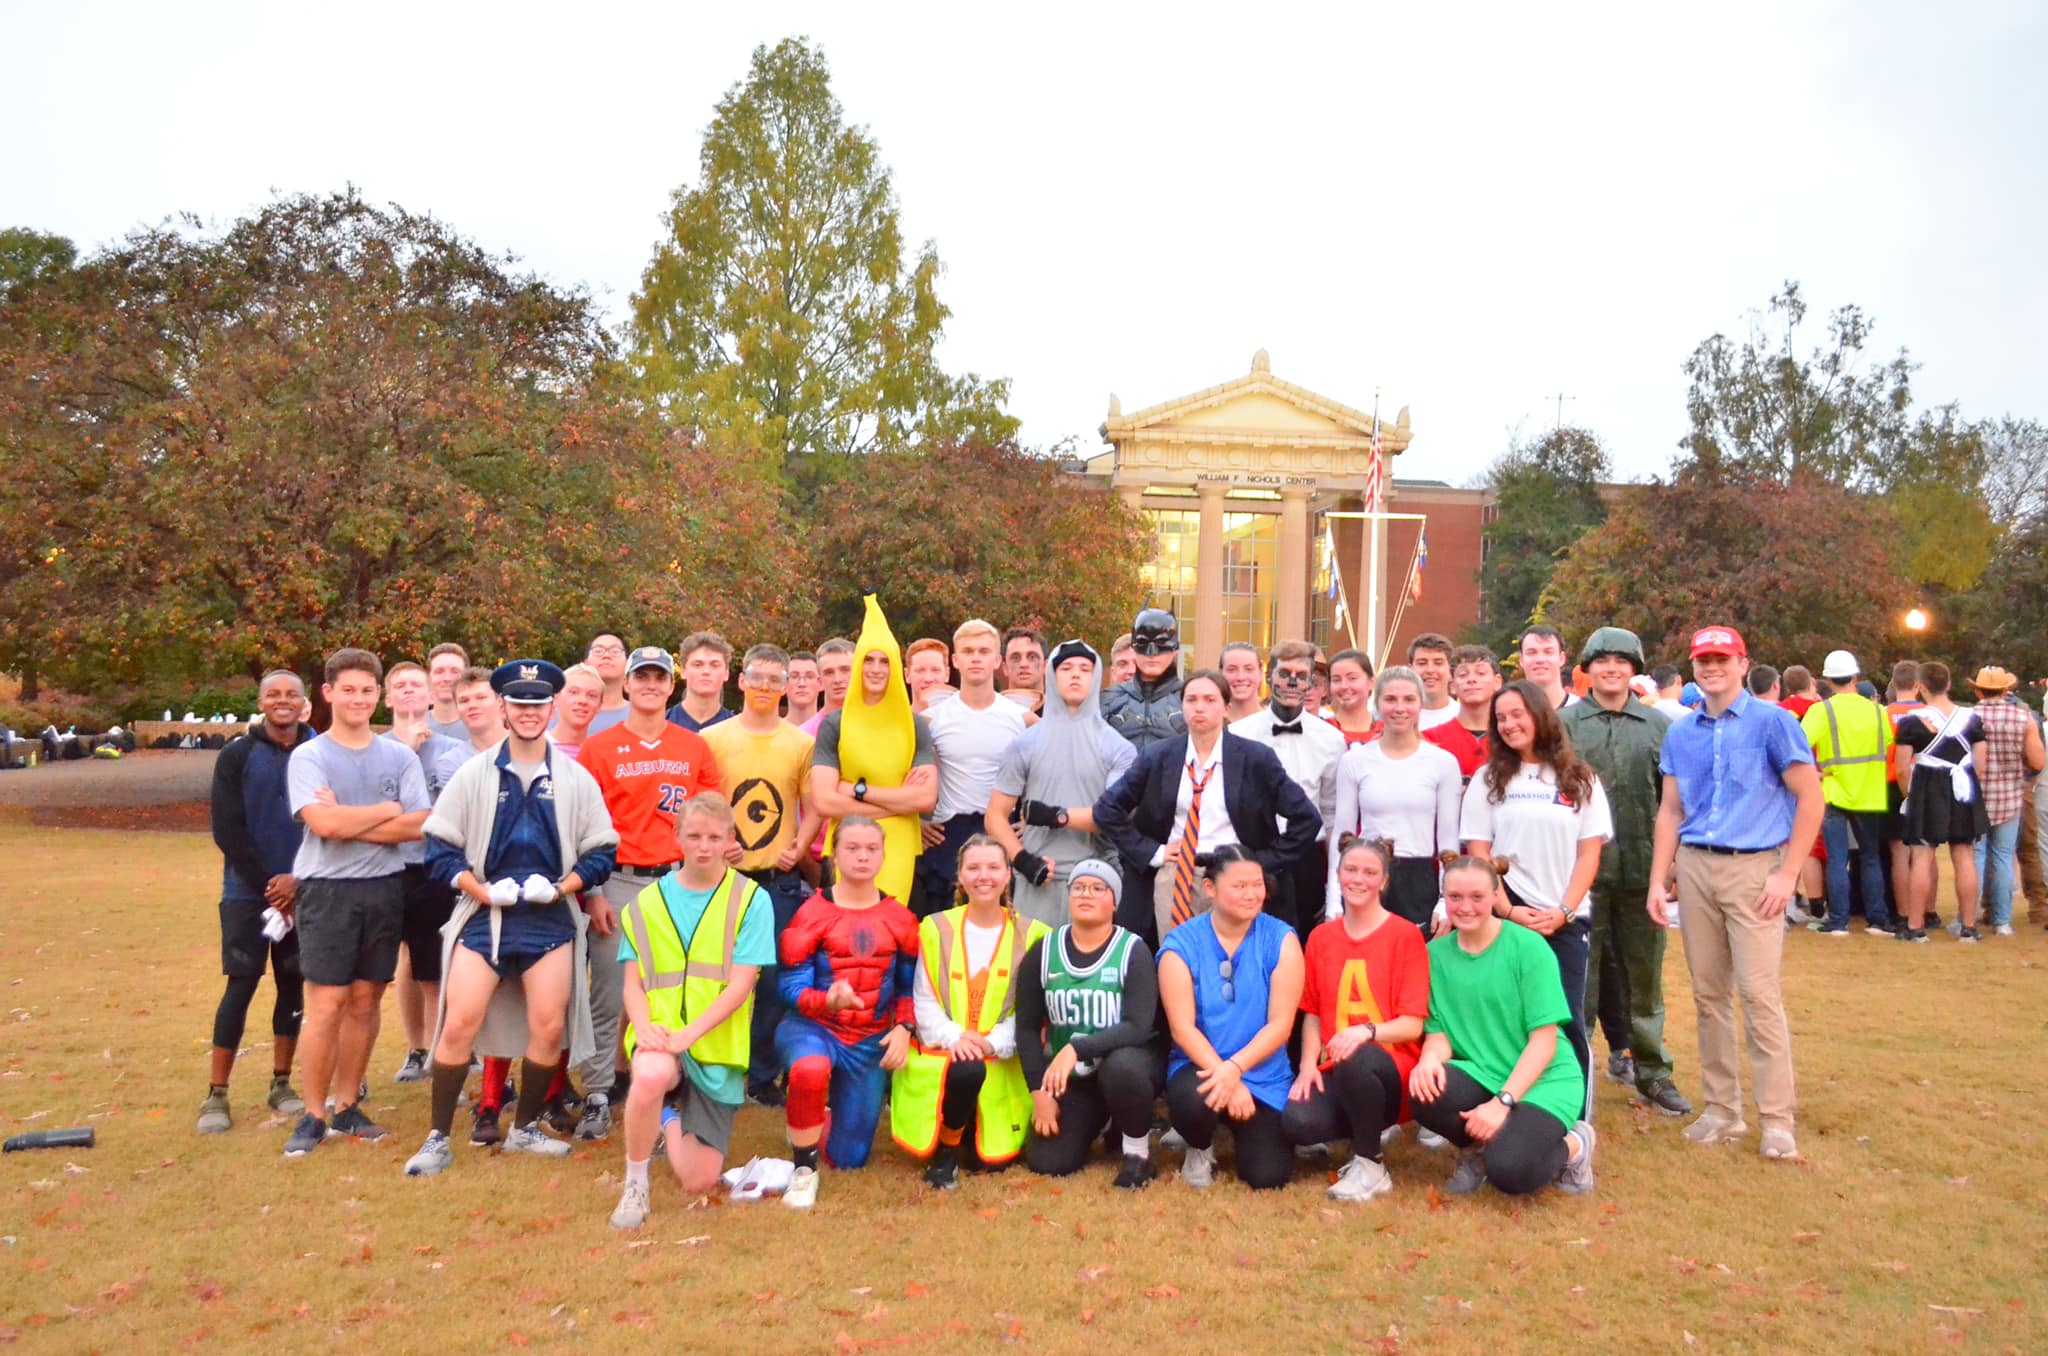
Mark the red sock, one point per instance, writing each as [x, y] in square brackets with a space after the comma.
[560, 1082]
[496, 1071]
[809, 1079]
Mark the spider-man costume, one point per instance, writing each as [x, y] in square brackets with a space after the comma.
[835, 1057]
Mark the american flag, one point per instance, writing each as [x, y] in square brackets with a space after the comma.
[1375, 473]
[1421, 559]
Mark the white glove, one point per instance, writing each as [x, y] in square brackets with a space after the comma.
[504, 893]
[275, 925]
[538, 889]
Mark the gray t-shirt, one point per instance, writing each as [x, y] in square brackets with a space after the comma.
[386, 770]
[449, 729]
[825, 751]
[1039, 766]
[604, 720]
[439, 757]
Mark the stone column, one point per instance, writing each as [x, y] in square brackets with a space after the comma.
[1294, 572]
[1209, 577]
[1133, 495]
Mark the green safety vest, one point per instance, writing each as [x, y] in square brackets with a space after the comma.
[1852, 764]
[1003, 1110]
[681, 978]
[1082, 1002]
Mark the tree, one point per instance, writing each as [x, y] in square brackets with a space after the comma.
[779, 306]
[1546, 496]
[1799, 567]
[28, 256]
[337, 423]
[962, 530]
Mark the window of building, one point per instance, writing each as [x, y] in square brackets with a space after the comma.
[1251, 576]
[1170, 576]
[1322, 606]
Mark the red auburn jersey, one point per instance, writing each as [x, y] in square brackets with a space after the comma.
[873, 949]
[1468, 748]
[645, 781]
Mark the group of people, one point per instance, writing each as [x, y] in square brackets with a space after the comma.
[1024, 916]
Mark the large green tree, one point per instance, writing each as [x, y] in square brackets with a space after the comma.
[339, 423]
[781, 305]
[1546, 496]
[28, 256]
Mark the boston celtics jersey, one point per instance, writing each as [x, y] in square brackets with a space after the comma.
[1081, 1002]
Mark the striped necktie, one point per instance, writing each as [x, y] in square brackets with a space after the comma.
[1190, 844]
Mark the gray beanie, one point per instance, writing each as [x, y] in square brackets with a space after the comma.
[1102, 871]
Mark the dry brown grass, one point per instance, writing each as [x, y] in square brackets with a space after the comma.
[1914, 1224]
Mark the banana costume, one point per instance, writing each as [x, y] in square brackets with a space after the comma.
[877, 741]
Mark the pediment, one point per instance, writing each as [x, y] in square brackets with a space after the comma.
[1257, 403]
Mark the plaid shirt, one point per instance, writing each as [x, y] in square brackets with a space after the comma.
[2005, 723]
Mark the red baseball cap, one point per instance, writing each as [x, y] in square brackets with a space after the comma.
[1718, 640]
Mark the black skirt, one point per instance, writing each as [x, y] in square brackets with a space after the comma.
[1932, 816]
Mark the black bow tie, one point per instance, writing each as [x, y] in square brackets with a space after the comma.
[1293, 727]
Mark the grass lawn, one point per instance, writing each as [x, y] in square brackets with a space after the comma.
[1915, 1223]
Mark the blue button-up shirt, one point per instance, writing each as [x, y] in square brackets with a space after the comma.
[1731, 774]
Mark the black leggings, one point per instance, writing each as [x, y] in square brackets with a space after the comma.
[1359, 1098]
[1120, 1092]
[1264, 1157]
[964, 1078]
[1411, 891]
[1525, 1156]
[231, 1018]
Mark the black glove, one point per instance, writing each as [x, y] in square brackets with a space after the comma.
[1031, 867]
[1040, 815]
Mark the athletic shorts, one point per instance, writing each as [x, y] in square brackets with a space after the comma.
[349, 929]
[692, 1111]
[427, 909]
[244, 950]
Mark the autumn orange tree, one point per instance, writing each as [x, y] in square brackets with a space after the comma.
[975, 529]
[342, 423]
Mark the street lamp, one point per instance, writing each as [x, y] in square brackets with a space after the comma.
[1916, 620]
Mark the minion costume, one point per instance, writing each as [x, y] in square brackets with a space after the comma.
[877, 741]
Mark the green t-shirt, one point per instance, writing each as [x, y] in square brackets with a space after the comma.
[1489, 1003]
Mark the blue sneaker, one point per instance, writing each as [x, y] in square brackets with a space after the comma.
[308, 1135]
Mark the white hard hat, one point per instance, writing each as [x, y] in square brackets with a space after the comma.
[1840, 664]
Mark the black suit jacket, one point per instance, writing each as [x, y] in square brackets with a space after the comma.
[1137, 814]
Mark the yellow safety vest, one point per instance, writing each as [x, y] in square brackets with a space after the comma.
[1003, 1110]
[684, 978]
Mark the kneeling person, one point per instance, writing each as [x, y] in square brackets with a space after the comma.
[518, 831]
[848, 963]
[962, 1070]
[692, 945]
[1087, 1000]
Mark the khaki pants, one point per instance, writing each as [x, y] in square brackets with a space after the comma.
[1732, 950]
[1162, 899]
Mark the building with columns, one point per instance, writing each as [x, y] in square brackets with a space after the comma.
[1254, 489]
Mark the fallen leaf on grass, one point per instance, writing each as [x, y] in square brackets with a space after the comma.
[1087, 1316]
[424, 1250]
[1959, 1181]
[1093, 1272]
[520, 1339]
[876, 1314]
[1686, 1266]
[862, 1290]
[988, 1212]
[1436, 1200]
[914, 1290]
[1959, 1312]
[1579, 1243]
[1806, 1236]
[1162, 1292]
[641, 1243]
[638, 1318]
[693, 1241]
[765, 1296]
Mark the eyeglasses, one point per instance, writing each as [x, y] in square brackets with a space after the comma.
[766, 682]
[1227, 970]
[618, 650]
[1285, 679]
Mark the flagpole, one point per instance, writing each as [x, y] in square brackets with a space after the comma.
[1375, 501]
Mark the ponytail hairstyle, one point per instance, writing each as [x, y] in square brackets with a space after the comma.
[1382, 848]
[976, 841]
[1212, 864]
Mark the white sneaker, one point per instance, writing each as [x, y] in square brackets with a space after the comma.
[1361, 1180]
[1198, 1169]
[528, 1139]
[2003, 930]
[1311, 1151]
[803, 1189]
[632, 1211]
[1390, 1134]
[1576, 1177]
[1170, 1139]
[1430, 1139]
[433, 1156]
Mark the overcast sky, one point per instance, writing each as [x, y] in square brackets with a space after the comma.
[1470, 209]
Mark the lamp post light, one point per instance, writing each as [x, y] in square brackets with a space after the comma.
[1916, 620]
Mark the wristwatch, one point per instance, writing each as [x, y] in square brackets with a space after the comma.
[1063, 817]
[1372, 1031]
[860, 790]
[1506, 1099]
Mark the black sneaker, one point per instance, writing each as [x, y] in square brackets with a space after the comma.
[485, 1132]
[309, 1134]
[351, 1121]
[1911, 935]
[1967, 935]
[1665, 1096]
[1135, 1173]
[1621, 1067]
[1932, 920]
[765, 1093]
[596, 1120]
[944, 1171]
[557, 1115]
